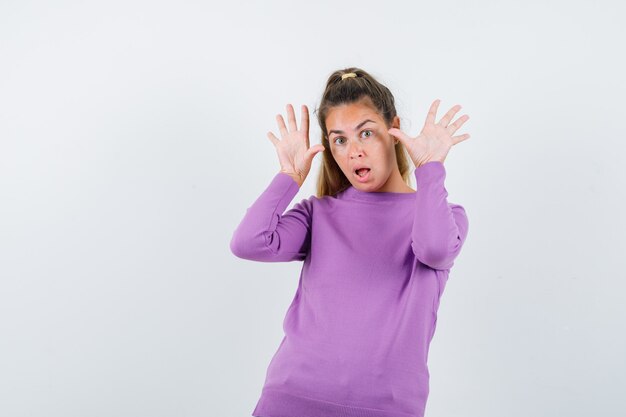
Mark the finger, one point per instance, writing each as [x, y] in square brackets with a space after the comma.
[292, 118]
[273, 138]
[449, 115]
[453, 127]
[460, 138]
[281, 125]
[432, 112]
[304, 122]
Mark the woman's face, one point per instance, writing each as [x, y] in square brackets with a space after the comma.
[358, 138]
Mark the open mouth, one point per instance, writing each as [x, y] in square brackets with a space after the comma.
[362, 172]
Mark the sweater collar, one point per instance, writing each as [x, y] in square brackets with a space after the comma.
[356, 194]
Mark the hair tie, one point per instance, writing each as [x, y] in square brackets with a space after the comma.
[350, 74]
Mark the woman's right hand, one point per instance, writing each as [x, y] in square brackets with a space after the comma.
[294, 154]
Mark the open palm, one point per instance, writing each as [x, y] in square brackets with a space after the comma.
[294, 152]
[435, 140]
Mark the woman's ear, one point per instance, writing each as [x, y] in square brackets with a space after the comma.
[396, 122]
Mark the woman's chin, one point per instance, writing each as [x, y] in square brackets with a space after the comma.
[369, 186]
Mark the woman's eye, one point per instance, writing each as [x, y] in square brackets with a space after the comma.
[365, 131]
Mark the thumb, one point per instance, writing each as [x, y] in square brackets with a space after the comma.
[398, 134]
[312, 151]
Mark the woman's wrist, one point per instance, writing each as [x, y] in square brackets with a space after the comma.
[295, 177]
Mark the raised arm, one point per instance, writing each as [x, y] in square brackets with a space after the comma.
[439, 227]
[265, 233]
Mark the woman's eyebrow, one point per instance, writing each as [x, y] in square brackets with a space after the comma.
[356, 128]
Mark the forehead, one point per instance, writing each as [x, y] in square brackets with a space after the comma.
[349, 115]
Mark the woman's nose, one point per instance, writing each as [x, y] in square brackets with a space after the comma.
[355, 149]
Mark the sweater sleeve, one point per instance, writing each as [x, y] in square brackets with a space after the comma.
[265, 234]
[439, 227]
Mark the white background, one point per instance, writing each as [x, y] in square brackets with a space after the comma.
[133, 138]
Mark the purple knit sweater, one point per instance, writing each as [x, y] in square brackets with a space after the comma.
[358, 330]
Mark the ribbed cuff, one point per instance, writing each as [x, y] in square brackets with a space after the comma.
[430, 171]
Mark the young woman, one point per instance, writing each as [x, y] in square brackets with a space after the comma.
[377, 254]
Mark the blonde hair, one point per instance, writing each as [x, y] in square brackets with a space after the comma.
[347, 90]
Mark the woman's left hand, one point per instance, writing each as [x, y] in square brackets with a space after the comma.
[435, 140]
